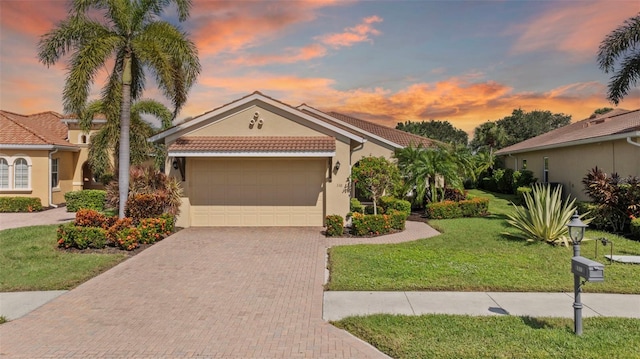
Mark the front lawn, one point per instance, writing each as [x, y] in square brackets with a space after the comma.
[472, 254]
[454, 336]
[30, 260]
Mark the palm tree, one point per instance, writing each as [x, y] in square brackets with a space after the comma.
[489, 135]
[107, 140]
[623, 41]
[135, 38]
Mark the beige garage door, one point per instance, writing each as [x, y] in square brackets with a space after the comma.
[256, 192]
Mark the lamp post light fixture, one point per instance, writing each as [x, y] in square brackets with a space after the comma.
[576, 233]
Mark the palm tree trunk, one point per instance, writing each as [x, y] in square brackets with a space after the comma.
[125, 122]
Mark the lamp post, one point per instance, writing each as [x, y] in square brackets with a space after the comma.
[576, 233]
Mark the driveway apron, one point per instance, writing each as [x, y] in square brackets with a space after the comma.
[203, 292]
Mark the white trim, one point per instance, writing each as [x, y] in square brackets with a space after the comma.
[250, 154]
[253, 97]
[586, 141]
[38, 147]
[355, 128]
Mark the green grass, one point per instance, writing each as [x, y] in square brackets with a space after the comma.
[473, 254]
[451, 336]
[30, 260]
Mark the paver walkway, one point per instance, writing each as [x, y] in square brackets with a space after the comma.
[203, 292]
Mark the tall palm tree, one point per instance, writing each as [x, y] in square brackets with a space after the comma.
[132, 34]
[623, 41]
[489, 135]
[107, 140]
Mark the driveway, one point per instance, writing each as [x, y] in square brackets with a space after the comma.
[203, 292]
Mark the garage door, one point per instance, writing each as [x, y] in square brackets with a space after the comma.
[256, 192]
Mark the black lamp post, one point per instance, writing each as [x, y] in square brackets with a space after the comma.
[576, 233]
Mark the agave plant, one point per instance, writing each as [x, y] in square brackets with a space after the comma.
[545, 217]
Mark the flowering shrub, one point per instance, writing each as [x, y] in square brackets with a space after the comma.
[334, 225]
[370, 224]
[154, 229]
[72, 236]
[128, 238]
[90, 218]
[118, 226]
[390, 203]
[397, 219]
[475, 207]
[443, 210]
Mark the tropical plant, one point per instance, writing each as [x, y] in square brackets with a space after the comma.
[133, 36]
[545, 217]
[623, 42]
[107, 140]
[436, 130]
[375, 177]
[489, 136]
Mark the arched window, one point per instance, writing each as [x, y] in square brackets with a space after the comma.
[20, 173]
[4, 173]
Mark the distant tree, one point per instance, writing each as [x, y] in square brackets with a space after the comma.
[375, 177]
[522, 125]
[489, 136]
[623, 42]
[437, 130]
[600, 111]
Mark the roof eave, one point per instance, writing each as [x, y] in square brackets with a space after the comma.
[5, 146]
[618, 136]
[251, 154]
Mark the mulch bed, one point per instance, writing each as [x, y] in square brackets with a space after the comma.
[417, 217]
[108, 250]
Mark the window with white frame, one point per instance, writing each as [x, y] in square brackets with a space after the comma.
[20, 174]
[54, 172]
[4, 174]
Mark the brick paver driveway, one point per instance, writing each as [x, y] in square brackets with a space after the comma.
[203, 292]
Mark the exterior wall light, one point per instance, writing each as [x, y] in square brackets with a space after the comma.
[175, 164]
[337, 166]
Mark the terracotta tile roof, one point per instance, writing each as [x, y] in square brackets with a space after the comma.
[253, 144]
[44, 128]
[611, 123]
[401, 138]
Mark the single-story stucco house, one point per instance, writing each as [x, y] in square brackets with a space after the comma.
[260, 162]
[610, 141]
[44, 155]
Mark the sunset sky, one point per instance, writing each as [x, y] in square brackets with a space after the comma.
[386, 61]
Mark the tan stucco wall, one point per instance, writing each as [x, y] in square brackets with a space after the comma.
[570, 164]
[66, 167]
[75, 136]
[39, 175]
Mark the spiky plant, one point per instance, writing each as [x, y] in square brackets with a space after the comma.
[545, 217]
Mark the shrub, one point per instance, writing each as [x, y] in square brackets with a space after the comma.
[391, 203]
[334, 224]
[523, 178]
[128, 238]
[635, 228]
[155, 229]
[545, 217]
[72, 236]
[452, 194]
[20, 204]
[85, 199]
[370, 224]
[116, 225]
[594, 212]
[397, 219]
[144, 205]
[90, 218]
[505, 182]
[356, 206]
[475, 207]
[368, 209]
[443, 210]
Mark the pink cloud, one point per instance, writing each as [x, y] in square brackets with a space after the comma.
[289, 56]
[353, 35]
[574, 29]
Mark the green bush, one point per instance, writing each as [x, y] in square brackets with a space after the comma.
[368, 209]
[635, 228]
[85, 199]
[71, 236]
[397, 219]
[475, 207]
[356, 206]
[443, 210]
[334, 224]
[523, 178]
[391, 203]
[505, 181]
[520, 192]
[370, 224]
[20, 204]
[128, 238]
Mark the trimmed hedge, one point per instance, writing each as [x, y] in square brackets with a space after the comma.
[356, 206]
[334, 224]
[20, 204]
[397, 219]
[475, 207]
[71, 236]
[390, 203]
[635, 228]
[370, 224]
[85, 199]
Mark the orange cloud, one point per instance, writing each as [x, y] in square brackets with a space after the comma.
[573, 29]
[290, 56]
[352, 35]
[42, 16]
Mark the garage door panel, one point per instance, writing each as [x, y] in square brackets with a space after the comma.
[257, 192]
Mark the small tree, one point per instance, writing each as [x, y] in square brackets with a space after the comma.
[375, 176]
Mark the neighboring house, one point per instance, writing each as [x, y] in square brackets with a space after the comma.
[610, 141]
[43, 155]
[260, 162]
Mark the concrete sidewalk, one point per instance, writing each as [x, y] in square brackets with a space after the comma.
[50, 216]
[14, 305]
[338, 305]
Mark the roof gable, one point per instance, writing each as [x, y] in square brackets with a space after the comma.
[612, 125]
[41, 129]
